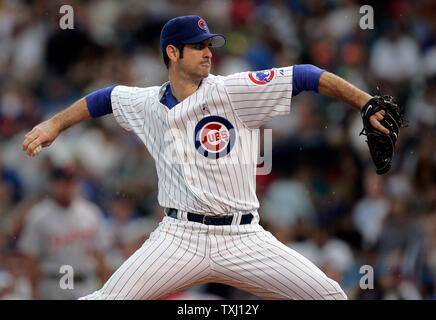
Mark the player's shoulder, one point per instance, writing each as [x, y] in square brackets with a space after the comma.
[135, 92]
[219, 81]
[257, 77]
[89, 206]
[40, 211]
[86, 207]
[215, 79]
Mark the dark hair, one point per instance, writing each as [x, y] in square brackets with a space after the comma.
[179, 46]
[66, 172]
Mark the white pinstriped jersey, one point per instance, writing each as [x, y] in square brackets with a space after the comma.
[205, 147]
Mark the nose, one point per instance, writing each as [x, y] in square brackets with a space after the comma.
[207, 53]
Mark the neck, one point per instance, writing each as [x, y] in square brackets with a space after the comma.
[182, 85]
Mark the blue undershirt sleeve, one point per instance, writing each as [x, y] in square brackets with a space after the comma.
[305, 77]
[99, 102]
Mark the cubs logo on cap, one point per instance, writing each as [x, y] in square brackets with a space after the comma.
[202, 24]
[186, 30]
[262, 77]
[214, 137]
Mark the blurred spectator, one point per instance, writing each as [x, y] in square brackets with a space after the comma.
[403, 237]
[347, 232]
[99, 151]
[342, 186]
[421, 110]
[286, 202]
[11, 183]
[369, 212]
[399, 185]
[126, 230]
[354, 56]
[429, 62]
[396, 287]
[424, 174]
[242, 12]
[330, 254]
[395, 56]
[343, 20]
[64, 230]
[14, 283]
[428, 223]
[28, 45]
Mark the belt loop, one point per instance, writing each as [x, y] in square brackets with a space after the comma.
[237, 218]
[204, 218]
[234, 219]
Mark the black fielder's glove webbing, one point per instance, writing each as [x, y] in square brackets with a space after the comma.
[381, 145]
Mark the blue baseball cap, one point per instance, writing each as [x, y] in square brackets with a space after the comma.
[66, 172]
[188, 29]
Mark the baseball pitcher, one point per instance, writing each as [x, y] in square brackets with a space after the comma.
[201, 131]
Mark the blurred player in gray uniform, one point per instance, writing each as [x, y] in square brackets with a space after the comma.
[202, 131]
[64, 229]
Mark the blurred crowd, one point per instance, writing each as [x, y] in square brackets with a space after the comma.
[322, 197]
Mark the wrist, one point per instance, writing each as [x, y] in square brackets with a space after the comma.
[56, 124]
[364, 101]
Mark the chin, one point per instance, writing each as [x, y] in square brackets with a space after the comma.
[205, 70]
[201, 75]
[205, 73]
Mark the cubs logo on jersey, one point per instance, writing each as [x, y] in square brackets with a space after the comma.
[262, 77]
[214, 137]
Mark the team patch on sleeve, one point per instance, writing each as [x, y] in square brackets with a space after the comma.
[214, 137]
[261, 77]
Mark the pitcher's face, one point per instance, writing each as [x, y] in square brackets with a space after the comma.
[196, 60]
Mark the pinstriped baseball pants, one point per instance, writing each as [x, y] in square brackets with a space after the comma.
[180, 254]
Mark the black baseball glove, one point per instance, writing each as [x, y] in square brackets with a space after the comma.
[381, 145]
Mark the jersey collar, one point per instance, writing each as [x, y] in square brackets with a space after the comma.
[166, 95]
